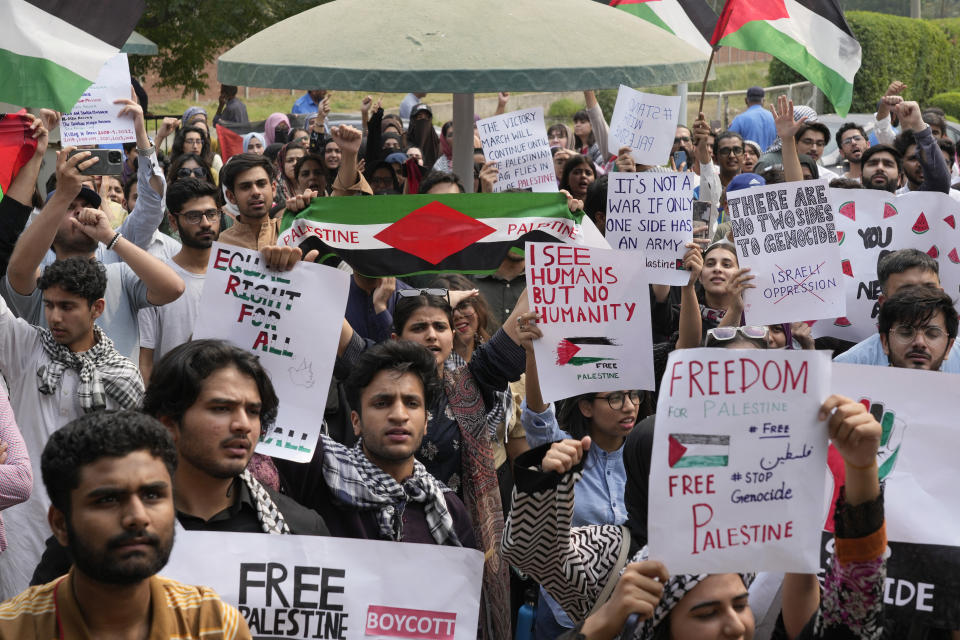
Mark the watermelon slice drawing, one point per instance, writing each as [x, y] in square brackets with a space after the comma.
[954, 258]
[920, 226]
[933, 252]
[840, 237]
[846, 267]
[950, 221]
[889, 210]
[842, 322]
[848, 209]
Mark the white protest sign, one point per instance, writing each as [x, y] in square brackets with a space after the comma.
[517, 142]
[646, 123]
[292, 321]
[917, 411]
[594, 311]
[651, 213]
[871, 224]
[325, 587]
[93, 120]
[737, 472]
[786, 234]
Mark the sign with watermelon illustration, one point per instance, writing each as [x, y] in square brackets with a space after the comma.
[594, 310]
[917, 412]
[872, 224]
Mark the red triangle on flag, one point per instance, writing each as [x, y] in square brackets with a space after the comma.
[231, 143]
[17, 146]
[565, 351]
[737, 13]
[676, 452]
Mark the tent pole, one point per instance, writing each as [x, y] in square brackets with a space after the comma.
[463, 138]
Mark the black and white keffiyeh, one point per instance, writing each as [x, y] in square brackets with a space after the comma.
[357, 482]
[271, 520]
[103, 372]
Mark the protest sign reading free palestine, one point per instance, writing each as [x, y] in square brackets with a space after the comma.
[651, 213]
[644, 122]
[517, 142]
[786, 234]
[737, 471]
[594, 311]
[292, 321]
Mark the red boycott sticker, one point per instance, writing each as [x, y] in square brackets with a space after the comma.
[393, 622]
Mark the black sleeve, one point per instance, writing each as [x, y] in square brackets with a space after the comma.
[301, 520]
[374, 137]
[54, 562]
[528, 476]
[13, 219]
[637, 451]
[496, 364]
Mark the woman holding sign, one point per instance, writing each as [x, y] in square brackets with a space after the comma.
[574, 564]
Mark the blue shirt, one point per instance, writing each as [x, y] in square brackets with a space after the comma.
[362, 316]
[305, 104]
[870, 351]
[756, 124]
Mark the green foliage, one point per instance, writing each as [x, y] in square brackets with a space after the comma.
[189, 33]
[563, 109]
[607, 98]
[920, 53]
[949, 102]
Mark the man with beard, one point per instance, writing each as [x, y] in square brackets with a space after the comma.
[924, 166]
[74, 227]
[880, 168]
[195, 215]
[917, 327]
[852, 142]
[109, 478]
[883, 166]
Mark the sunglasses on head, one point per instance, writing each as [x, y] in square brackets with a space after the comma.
[436, 292]
[750, 331]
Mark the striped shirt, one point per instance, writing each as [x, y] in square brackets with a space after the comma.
[179, 611]
[16, 476]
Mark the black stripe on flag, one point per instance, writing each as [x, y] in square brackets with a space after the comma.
[701, 15]
[109, 20]
[829, 9]
[592, 340]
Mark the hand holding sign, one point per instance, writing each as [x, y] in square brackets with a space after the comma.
[854, 431]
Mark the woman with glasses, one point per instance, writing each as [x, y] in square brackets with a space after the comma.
[190, 165]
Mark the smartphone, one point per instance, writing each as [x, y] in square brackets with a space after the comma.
[109, 162]
[704, 220]
[679, 158]
[315, 138]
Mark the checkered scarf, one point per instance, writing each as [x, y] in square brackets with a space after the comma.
[673, 591]
[103, 372]
[357, 482]
[271, 520]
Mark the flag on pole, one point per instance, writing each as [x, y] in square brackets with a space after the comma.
[17, 146]
[51, 51]
[810, 36]
[409, 234]
[692, 21]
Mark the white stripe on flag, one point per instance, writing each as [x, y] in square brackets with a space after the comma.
[677, 19]
[824, 41]
[30, 31]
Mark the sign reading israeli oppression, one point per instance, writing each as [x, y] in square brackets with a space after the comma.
[292, 321]
[93, 120]
[737, 473]
[594, 311]
[325, 587]
[917, 411]
[871, 224]
[517, 142]
[651, 213]
[646, 123]
[786, 234]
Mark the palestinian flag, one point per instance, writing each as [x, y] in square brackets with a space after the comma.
[410, 234]
[809, 36]
[692, 21]
[230, 143]
[52, 50]
[588, 350]
[698, 450]
[16, 147]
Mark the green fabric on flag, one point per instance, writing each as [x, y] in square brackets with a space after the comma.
[41, 83]
[644, 12]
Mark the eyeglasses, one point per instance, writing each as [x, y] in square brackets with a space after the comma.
[680, 139]
[851, 140]
[725, 151]
[434, 291]
[725, 334]
[905, 335]
[196, 172]
[810, 142]
[617, 398]
[193, 217]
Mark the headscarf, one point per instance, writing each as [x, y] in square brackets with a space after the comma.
[422, 135]
[250, 136]
[270, 126]
[445, 147]
[190, 113]
[799, 111]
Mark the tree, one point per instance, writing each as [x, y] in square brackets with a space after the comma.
[189, 33]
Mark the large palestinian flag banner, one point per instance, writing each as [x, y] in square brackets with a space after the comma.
[692, 21]
[410, 234]
[51, 50]
[810, 36]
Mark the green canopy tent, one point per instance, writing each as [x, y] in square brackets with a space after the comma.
[461, 47]
[139, 45]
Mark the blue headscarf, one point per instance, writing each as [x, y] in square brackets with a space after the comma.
[250, 136]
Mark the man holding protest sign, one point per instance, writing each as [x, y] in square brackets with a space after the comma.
[109, 477]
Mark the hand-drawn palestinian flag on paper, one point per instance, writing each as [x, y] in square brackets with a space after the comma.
[698, 450]
[51, 51]
[810, 36]
[692, 21]
[586, 350]
[410, 234]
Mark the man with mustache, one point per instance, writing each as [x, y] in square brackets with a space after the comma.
[917, 327]
[109, 477]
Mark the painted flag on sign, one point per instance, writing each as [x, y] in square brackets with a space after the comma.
[52, 51]
[586, 350]
[698, 450]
